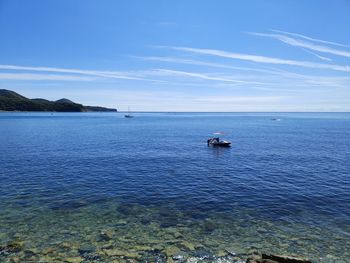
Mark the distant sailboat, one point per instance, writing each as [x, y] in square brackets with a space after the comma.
[129, 114]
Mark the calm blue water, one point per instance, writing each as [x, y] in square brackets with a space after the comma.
[283, 186]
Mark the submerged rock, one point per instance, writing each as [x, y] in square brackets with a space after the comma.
[29, 253]
[192, 260]
[153, 256]
[122, 253]
[265, 258]
[91, 256]
[121, 223]
[208, 226]
[188, 245]
[202, 254]
[12, 247]
[106, 235]
[180, 257]
[16, 259]
[66, 245]
[171, 251]
[88, 253]
[285, 259]
[48, 250]
[74, 259]
[86, 250]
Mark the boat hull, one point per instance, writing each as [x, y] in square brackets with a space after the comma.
[220, 144]
[216, 142]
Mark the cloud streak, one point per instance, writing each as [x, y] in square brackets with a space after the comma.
[202, 76]
[263, 59]
[309, 38]
[317, 55]
[239, 99]
[268, 75]
[204, 63]
[30, 76]
[304, 44]
[96, 73]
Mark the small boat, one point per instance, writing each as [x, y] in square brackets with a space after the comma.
[129, 114]
[216, 142]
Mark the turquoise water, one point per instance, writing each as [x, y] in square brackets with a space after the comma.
[97, 187]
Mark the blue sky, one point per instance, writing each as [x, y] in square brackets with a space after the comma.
[184, 55]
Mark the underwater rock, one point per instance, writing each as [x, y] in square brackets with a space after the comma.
[226, 260]
[192, 260]
[91, 257]
[65, 245]
[29, 253]
[11, 247]
[221, 253]
[169, 221]
[142, 248]
[174, 232]
[88, 253]
[202, 254]
[48, 250]
[68, 206]
[86, 250]
[129, 210]
[261, 261]
[265, 258]
[170, 251]
[208, 226]
[153, 256]
[16, 259]
[285, 259]
[236, 252]
[106, 235]
[145, 221]
[119, 252]
[188, 245]
[178, 257]
[74, 259]
[121, 222]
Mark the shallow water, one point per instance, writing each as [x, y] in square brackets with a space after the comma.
[96, 187]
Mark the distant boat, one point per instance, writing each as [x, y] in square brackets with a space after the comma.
[129, 114]
[275, 119]
[216, 142]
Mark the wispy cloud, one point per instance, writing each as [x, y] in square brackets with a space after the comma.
[317, 55]
[239, 99]
[31, 76]
[310, 38]
[263, 59]
[204, 63]
[304, 44]
[267, 78]
[97, 73]
[155, 75]
[272, 78]
[202, 76]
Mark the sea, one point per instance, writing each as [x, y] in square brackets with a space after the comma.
[98, 187]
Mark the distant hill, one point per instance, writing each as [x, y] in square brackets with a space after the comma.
[12, 101]
[64, 101]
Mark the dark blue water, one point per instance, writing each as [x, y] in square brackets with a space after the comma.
[293, 174]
